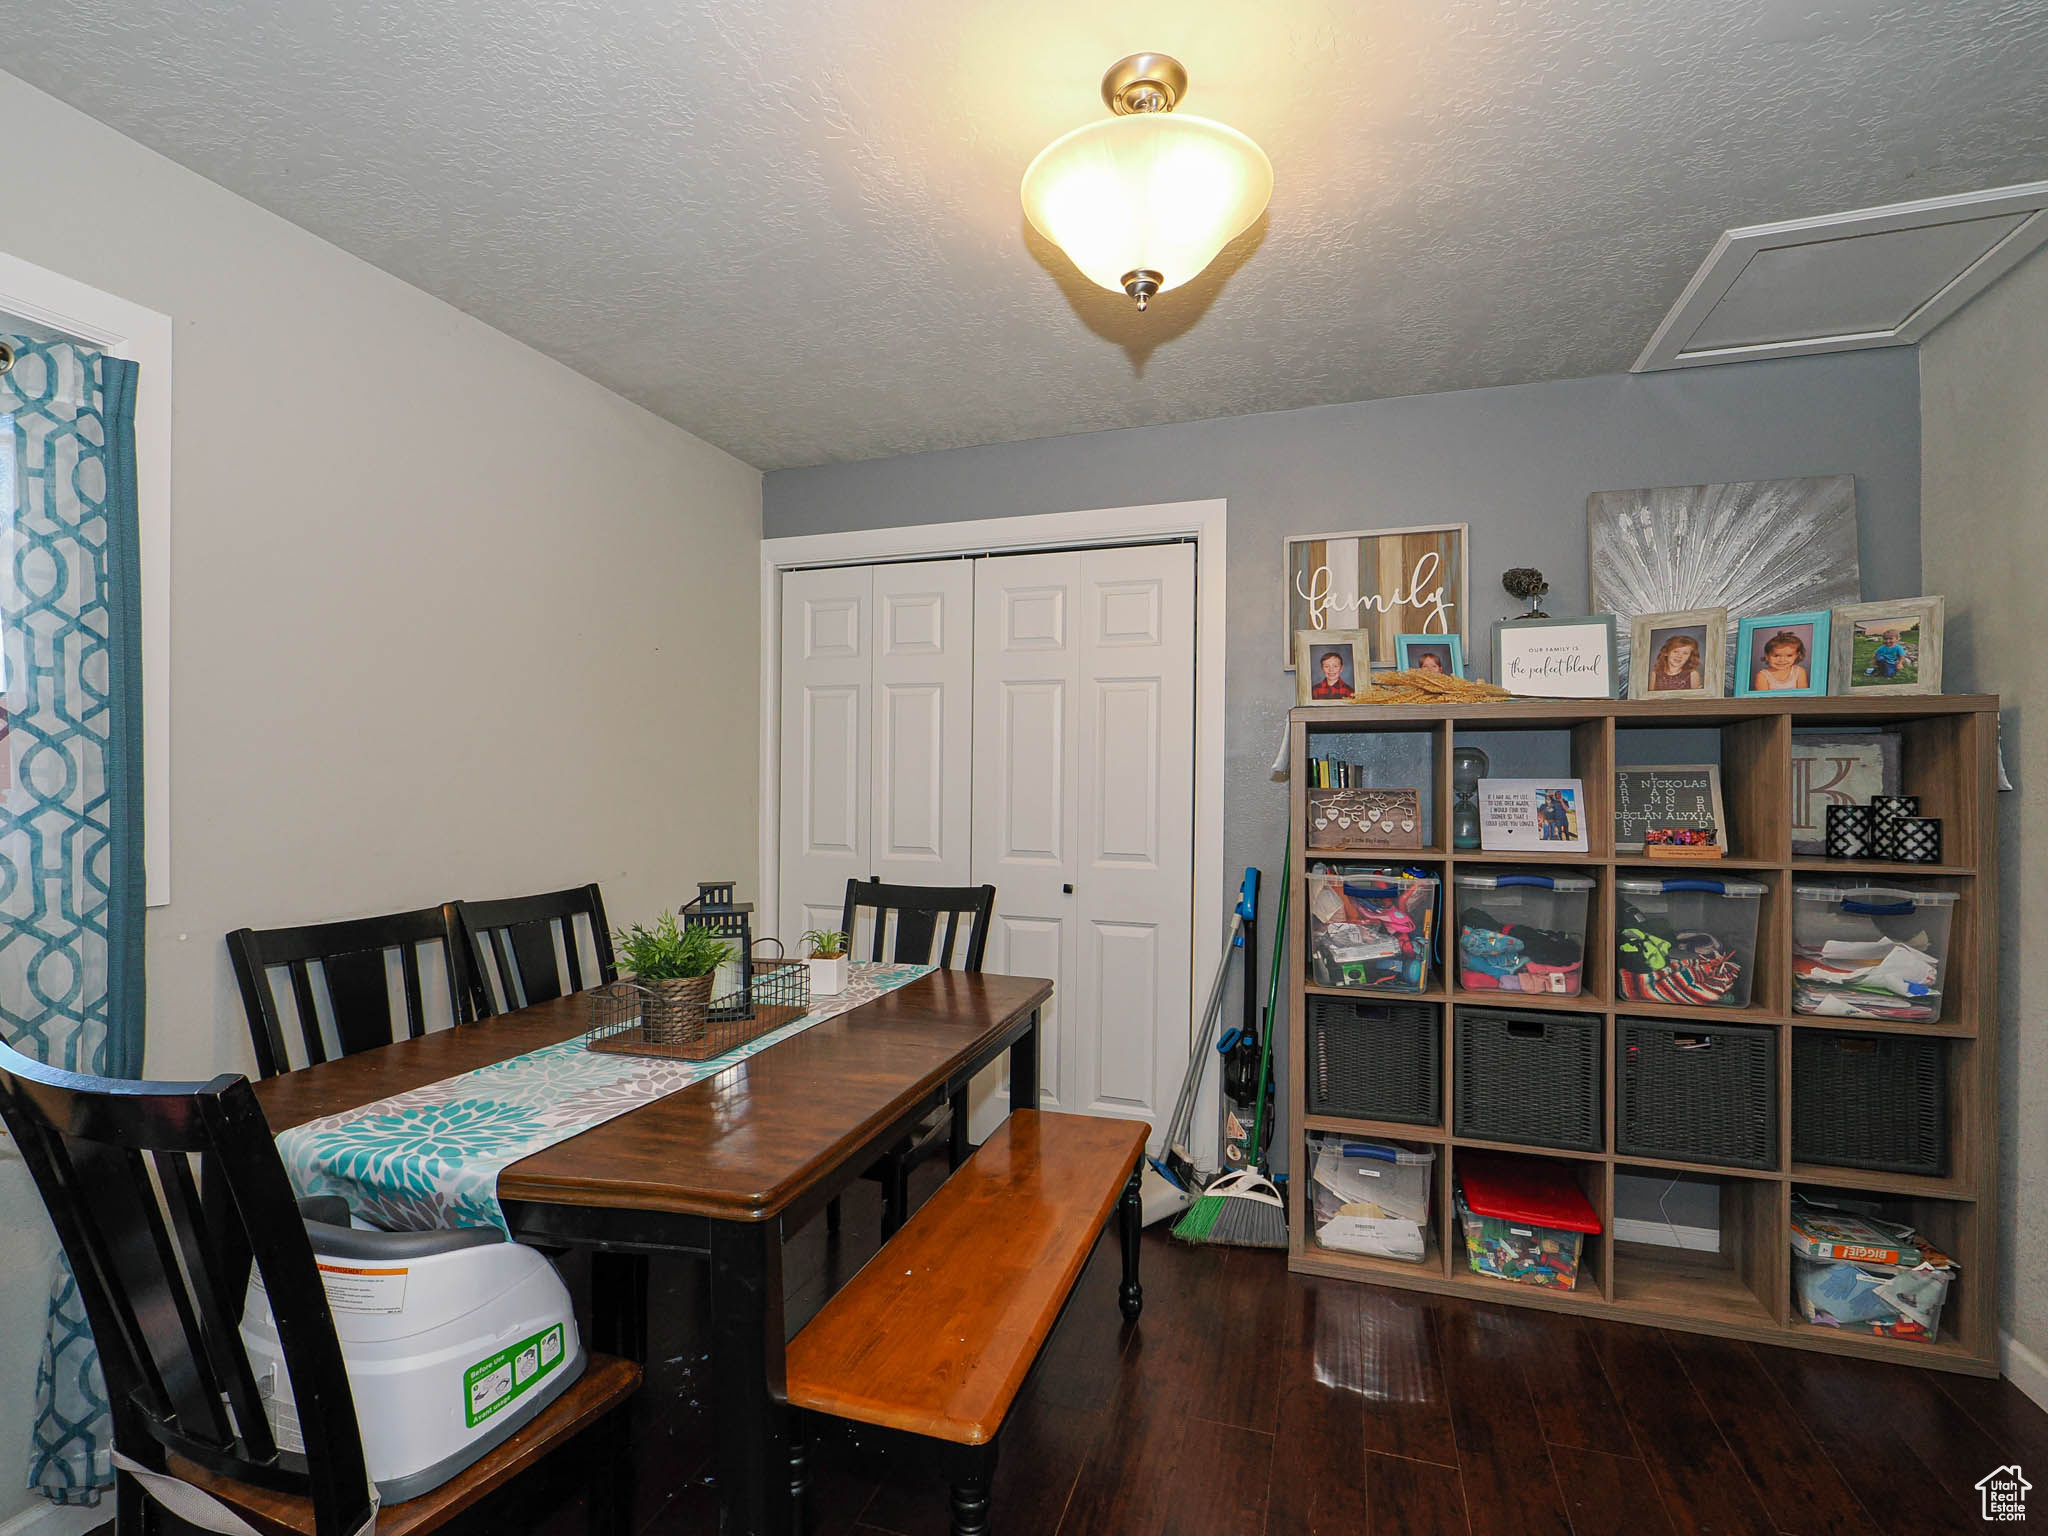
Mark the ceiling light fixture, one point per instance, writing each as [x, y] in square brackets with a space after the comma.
[1143, 202]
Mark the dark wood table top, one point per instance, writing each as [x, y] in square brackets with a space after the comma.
[738, 1146]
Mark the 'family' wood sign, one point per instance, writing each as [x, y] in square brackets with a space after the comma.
[1391, 581]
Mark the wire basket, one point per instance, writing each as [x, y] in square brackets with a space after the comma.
[685, 1022]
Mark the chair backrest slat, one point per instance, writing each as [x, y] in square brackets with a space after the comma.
[112, 1161]
[511, 946]
[917, 910]
[352, 962]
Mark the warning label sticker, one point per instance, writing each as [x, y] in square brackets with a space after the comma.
[360, 1289]
[501, 1378]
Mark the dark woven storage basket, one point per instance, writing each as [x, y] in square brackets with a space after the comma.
[1527, 1077]
[1375, 1061]
[1710, 1103]
[1869, 1101]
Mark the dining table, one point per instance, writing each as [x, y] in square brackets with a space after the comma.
[723, 1170]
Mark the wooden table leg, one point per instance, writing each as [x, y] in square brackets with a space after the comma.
[1024, 1068]
[747, 1380]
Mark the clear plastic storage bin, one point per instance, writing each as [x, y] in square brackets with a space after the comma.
[1372, 929]
[1869, 952]
[1372, 1196]
[1687, 940]
[1524, 1219]
[1522, 931]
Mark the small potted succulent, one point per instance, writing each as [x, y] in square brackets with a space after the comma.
[826, 962]
[677, 965]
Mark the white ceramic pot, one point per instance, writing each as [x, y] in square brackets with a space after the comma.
[828, 977]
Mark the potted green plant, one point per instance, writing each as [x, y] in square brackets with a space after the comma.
[826, 962]
[677, 965]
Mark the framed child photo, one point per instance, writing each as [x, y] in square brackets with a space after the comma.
[1888, 648]
[1555, 658]
[1442, 654]
[1679, 655]
[1782, 653]
[1331, 666]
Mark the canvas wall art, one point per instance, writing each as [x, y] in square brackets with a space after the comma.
[1749, 546]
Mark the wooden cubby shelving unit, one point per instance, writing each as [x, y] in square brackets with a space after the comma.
[1949, 759]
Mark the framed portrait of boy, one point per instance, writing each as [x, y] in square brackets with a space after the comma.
[1331, 666]
[1679, 655]
[1442, 654]
[1555, 658]
[1887, 648]
[1782, 653]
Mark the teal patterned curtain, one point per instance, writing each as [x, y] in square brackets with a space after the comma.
[71, 893]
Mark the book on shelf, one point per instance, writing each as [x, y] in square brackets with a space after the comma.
[1819, 1232]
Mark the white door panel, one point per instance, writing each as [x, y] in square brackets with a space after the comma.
[827, 692]
[1028, 721]
[923, 722]
[1026, 680]
[1135, 789]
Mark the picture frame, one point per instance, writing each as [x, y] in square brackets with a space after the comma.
[1417, 652]
[1861, 632]
[1838, 768]
[1314, 683]
[1658, 641]
[1556, 658]
[1388, 580]
[1670, 795]
[1761, 637]
[1532, 816]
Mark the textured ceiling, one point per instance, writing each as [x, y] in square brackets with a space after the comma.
[793, 228]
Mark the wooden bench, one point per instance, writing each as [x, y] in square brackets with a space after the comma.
[934, 1337]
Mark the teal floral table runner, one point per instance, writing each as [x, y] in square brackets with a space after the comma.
[431, 1157]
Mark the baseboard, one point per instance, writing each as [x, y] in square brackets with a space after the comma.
[1630, 1229]
[46, 1519]
[2023, 1368]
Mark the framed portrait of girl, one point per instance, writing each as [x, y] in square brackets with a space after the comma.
[1679, 655]
[1441, 654]
[1782, 653]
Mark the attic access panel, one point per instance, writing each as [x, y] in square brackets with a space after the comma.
[1878, 277]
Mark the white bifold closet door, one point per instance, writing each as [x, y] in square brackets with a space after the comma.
[1025, 721]
[877, 705]
[1083, 809]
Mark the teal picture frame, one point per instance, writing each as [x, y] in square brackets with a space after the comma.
[1753, 638]
[1408, 650]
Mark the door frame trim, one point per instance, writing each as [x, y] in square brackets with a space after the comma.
[1206, 522]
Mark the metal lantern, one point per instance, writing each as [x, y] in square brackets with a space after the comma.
[732, 921]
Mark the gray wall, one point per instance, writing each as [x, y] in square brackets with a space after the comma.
[1515, 463]
[1984, 382]
[438, 608]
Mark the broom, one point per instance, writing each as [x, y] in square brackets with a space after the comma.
[1238, 1210]
[1244, 1210]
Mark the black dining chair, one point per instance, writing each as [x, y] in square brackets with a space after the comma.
[904, 928]
[114, 1163]
[351, 961]
[514, 960]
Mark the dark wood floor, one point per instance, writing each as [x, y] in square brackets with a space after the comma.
[1249, 1401]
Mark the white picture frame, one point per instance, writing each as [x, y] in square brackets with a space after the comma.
[1533, 816]
[1706, 629]
[1556, 658]
[1917, 622]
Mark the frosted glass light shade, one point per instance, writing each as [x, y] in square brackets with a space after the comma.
[1156, 191]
